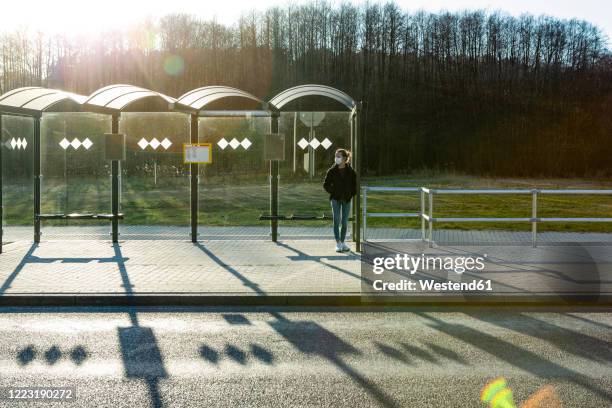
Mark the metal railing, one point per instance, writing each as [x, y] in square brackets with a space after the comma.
[366, 214]
[427, 207]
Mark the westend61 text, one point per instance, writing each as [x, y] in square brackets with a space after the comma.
[429, 285]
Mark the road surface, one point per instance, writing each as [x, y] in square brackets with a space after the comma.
[228, 357]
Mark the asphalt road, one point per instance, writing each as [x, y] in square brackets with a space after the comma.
[289, 358]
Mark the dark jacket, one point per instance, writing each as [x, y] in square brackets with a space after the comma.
[341, 184]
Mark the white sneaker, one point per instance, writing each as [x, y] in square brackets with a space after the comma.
[345, 247]
[338, 247]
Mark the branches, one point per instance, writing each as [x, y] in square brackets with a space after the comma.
[488, 82]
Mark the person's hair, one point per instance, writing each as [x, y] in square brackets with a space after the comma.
[345, 153]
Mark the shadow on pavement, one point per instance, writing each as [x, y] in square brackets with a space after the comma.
[570, 341]
[514, 355]
[52, 355]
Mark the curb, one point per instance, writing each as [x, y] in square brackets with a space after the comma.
[109, 300]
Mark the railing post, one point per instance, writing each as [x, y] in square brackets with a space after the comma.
[431, 194]
[365, 213]
[534, 218]
[422, 214]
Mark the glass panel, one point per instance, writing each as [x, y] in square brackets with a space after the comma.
[234, 189]
[311, 139]
[76, 175]
[155, 181]
[18, 197]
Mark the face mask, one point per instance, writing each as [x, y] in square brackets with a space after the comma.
[339, 160]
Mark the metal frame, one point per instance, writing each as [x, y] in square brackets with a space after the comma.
[194, 103]
[534, 219]
[32, 107]
[113, 99]
[1, 190]
[365, 214]
[300, 91]
[427, 207]
[278, 102]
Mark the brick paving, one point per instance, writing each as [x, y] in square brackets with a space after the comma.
[258, 267]
[164, 266]
[450, 237]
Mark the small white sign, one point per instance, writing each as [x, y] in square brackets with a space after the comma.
[197, 153]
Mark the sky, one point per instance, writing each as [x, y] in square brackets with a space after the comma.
[75, 16]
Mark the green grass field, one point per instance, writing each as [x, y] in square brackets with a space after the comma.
[240, 202]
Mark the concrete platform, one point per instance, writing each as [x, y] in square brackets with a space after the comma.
[292, 232]
[221, 269]
[227, 271]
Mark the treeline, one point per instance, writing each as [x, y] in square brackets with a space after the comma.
[476, 92]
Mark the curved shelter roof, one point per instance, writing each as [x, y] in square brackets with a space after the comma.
[300, 91]
[199, 98]
[118, 97]
[34, 100]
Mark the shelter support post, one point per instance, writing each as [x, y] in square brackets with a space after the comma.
[194, 170]
[354, 203]
[115, 168]
[534, 218]
[274, 170]
[357, 166]
[37, 177]
[1, 187]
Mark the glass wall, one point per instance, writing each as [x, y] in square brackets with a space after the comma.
[155, 192]
[311, 139]
[234, 189]
[75, 174]
[17, 155]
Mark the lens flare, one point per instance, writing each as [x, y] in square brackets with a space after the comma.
[497, 394]
[174, 65]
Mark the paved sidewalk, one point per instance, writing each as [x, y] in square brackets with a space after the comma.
[288, 232]
[213, 267]
[303, 271]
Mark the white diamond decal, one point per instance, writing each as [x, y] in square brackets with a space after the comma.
[326, 143]
[315, 143]
[143, 143]
[24, 144]
[234, 143]
[154, 143]
[222, 143]
[19, 143]
[166, 143]
[64, 143]
[76, 143]
[13, 143]
[87, 144]
[246, 143]
[303, 143]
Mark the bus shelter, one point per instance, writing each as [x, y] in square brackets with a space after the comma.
[114, 117]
